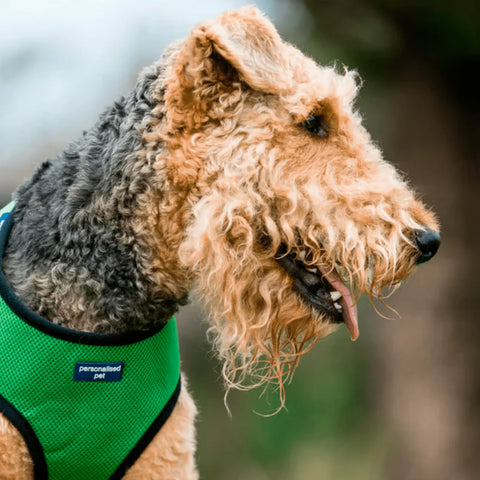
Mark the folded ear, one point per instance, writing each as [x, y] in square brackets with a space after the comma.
[250, 43]
[241, 46]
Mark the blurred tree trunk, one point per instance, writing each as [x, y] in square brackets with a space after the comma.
[426, 365]
[429, 375]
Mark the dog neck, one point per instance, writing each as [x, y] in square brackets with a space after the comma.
[87, 249]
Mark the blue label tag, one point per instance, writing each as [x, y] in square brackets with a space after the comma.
[3, 218]
[98, 372]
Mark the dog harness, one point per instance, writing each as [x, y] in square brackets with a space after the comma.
[87, 404]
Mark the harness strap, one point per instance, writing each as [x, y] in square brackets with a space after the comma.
[84, 402]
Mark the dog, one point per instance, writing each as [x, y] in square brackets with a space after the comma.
[237, 168]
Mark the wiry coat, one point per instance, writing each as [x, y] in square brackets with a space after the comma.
[73, 254]
[205, 177]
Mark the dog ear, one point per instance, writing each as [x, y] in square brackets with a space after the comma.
[208, 76]
[248, 41]
[241, 45]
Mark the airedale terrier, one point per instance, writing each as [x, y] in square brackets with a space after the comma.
[238, 168]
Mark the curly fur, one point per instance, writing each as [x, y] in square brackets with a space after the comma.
[178, 186]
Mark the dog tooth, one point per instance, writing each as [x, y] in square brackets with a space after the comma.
[335, 295]
[337, 306]
[302, 255]
[311, 269]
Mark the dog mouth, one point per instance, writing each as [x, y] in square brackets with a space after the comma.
[322, 288]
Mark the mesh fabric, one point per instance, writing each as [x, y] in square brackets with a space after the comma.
[85, 428]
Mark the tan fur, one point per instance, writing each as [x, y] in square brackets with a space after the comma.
[170, 454]
[15, 463]
[243, 163]
[232, 164]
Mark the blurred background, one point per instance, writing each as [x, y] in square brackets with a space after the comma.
[403, 402]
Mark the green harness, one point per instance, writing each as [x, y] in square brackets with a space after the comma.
[86, 404]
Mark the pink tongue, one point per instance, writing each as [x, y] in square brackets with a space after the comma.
[350, 316]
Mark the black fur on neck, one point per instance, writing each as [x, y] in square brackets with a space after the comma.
[71, 255]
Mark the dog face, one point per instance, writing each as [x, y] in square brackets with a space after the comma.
[293, 211]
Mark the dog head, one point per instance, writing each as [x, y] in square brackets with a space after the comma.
[293, 212]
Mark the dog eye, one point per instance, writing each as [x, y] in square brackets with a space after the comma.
[316, 125]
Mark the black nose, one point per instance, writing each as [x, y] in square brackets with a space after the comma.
[428, 242]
